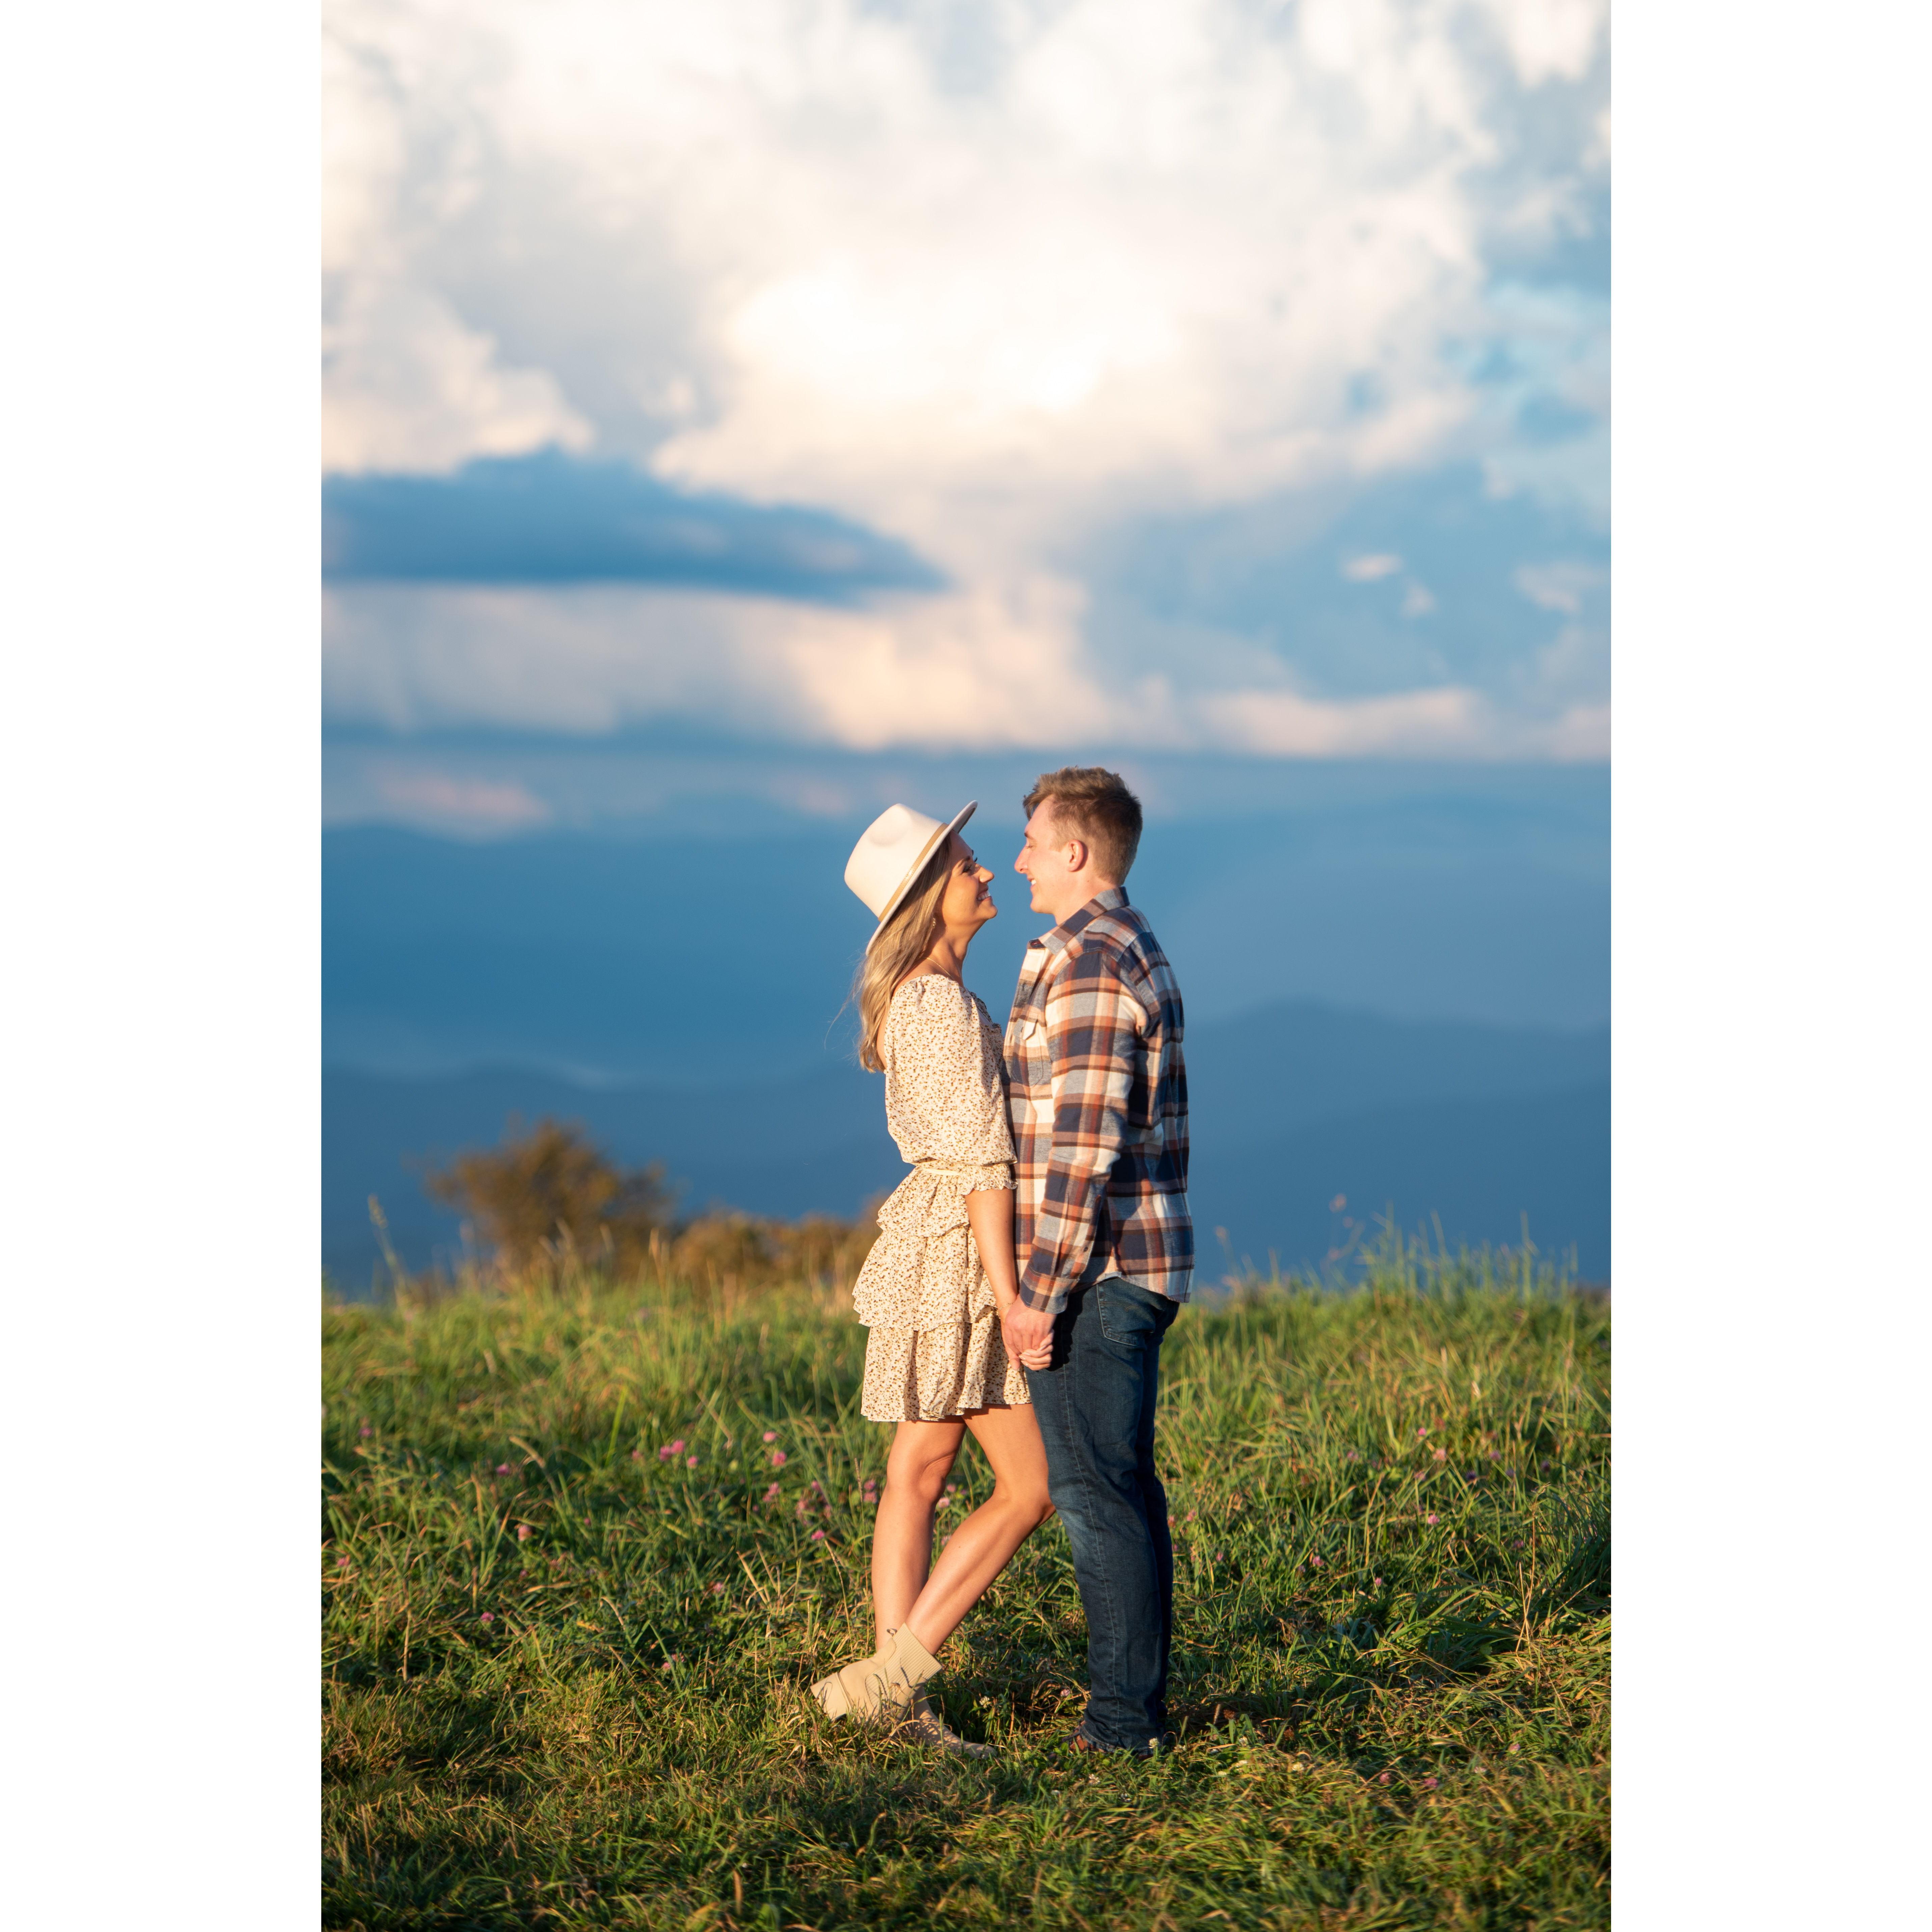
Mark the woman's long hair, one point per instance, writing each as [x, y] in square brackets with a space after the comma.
[909, 936]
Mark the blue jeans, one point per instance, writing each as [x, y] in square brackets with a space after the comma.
[1095, 1407]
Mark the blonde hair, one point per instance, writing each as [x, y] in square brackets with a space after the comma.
[908, 937]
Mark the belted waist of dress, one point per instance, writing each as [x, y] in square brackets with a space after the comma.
[957, 1166]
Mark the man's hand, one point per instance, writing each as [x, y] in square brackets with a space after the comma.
[1028, 1333]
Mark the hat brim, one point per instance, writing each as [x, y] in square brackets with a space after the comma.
[918, 866]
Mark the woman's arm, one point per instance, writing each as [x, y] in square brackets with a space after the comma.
[989, 1213]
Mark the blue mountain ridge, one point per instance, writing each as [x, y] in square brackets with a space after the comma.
[1292, 1105]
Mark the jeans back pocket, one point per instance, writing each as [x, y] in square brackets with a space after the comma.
[1131, 1314]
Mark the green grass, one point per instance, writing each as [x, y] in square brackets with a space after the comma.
[564, 1674]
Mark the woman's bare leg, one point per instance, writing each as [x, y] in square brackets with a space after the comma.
[916, 1471]
[979, 1549]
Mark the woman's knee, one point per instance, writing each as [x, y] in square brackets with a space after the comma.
[920, 1477]
[1028, 1501]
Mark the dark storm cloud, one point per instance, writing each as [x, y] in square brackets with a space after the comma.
[553, 518]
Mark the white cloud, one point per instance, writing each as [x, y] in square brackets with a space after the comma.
[973, 670]
[1550, 40]
[409, 387]
[440, 799]
[1129, 255]
[406, 384]
[1559, 587]
[1370, 569]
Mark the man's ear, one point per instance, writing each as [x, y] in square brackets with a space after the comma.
[1077, 855]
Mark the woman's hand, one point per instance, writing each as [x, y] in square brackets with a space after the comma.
[1028, 1334]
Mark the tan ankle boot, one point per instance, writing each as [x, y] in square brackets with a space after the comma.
[881, 1688]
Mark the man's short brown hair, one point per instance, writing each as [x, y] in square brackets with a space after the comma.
[1096, 806]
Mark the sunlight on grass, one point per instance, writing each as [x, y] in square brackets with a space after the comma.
[583, 1551]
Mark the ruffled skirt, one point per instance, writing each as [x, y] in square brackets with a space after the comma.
[935, 1350]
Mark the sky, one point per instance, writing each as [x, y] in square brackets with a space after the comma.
[1189, 380]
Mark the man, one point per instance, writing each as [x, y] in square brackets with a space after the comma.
[1098, 1096]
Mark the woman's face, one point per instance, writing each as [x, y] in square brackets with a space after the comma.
[967, 904]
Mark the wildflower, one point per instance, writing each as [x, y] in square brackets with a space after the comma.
[1428, 1784]
[778, 1459]
[1422, 1432]
[1171, 1521]
[690, 1462]
[1193, 1515]
[1379, 1582]
[487, 1618]
[1319, 1565]
[771, 1435]
[818, 1536]
[637, 1455]
[502, 1468]
[365, 1430]
[1336, 1206]
[718, 1589]
[342, 1563]
[669, 1661]
[522, 1532]
[671, 1449]
[1441, 1455]
[1350, 1455]
[1383, 1779]
[771, 1492]
[1430, 1517]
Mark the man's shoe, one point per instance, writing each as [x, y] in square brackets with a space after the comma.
[1088, 1745]
[926, 1726]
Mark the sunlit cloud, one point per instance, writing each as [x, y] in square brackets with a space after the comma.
[981, 669]
[434, 798]
[986, 283]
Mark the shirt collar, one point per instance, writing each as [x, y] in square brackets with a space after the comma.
[1070, 928]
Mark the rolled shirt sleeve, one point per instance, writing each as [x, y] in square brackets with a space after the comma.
[1093, 1030]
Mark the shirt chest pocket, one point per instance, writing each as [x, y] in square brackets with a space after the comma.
[1026, 1040]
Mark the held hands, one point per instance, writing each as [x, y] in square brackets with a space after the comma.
[1028, 1334]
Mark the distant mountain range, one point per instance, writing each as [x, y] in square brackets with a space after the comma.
[719, 958]
[1292, 1106]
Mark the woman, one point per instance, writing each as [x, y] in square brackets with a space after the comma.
[941, 1274]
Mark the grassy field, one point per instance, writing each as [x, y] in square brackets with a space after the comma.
[582, 1553]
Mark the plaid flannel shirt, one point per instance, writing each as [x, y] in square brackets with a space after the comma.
[1098, 1090]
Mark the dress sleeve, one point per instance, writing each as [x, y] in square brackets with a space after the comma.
[947, 1079]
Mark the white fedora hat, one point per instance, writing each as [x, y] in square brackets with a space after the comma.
[888, 855]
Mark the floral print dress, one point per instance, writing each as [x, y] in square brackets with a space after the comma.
[935, 1349]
